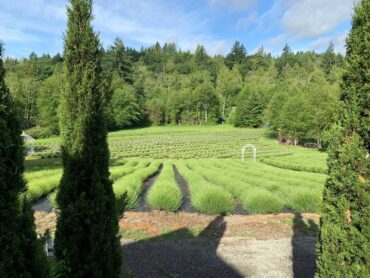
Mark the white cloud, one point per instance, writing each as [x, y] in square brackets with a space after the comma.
[248, 21]
[311, 18]
[339, 41]
[233, 4]
[147, 22]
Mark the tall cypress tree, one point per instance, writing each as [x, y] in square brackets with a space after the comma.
[344, 241]
[86, 240]
[21, 254]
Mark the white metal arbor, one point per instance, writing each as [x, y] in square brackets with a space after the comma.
[28, 139]
[254, 151]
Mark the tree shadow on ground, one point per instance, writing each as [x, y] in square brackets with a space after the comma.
[304, 247]
[180, 254]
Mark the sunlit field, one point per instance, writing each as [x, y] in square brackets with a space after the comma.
[207, 159]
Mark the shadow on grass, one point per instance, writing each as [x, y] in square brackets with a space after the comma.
[303, 247]
[180, 253]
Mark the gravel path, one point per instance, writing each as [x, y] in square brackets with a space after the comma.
[161, 244]
[227, 257]
[42, 205]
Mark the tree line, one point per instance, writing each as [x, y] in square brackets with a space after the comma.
[162, 85]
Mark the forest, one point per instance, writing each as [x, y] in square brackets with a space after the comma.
[296, 93]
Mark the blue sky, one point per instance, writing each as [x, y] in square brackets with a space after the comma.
[38, 25]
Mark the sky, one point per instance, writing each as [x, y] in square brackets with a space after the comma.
[38, 25]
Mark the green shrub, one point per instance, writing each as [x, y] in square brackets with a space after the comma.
[40, 132]
[262, 201]
[303, 199]
[165, 193]
[205, 196]
[128, 188]
[117, 172]
[212, 199]
[52, 199]
[42, 185]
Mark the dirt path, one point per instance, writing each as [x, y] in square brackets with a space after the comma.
[160, 244]
[186, 199]
[143, 205]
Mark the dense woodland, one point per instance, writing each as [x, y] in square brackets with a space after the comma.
[296, 94]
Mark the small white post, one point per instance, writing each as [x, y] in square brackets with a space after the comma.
[254, 152]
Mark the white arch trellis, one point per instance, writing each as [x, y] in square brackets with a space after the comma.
[254, 151]
[28, 139]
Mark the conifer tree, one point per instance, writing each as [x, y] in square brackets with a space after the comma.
[86, 240]
[328, 60]
[343, 249]
[237, 55]
[285, 60]
[21, 254]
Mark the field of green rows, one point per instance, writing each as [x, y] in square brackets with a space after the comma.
[207, 160]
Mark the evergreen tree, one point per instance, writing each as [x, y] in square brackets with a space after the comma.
[250, 108]
[86, 240]
[122, 61]
[237, 55]
[329, 58]
[343, 248]
[21, 254]
[285, 60]
[201, 57]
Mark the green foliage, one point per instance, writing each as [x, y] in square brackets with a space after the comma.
[124, 109]
[303, 112]
[343, 248]
[237, 55]
[205, 196]
[48, 100]
[165, 193]
[41, 183]
[295, 175]
[286, 60]
[20, 251]
[262, 201]
[162, 84]
[304, 199]
[228, 85]
[250, 108]
[314, 162]
[328, 60]
[128, 188]
[86, 240]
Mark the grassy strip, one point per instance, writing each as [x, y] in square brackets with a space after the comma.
[165, 194]
[128, 188]
[117, 172]
[300, 195]
[296, 163]
[253, 199]
[206, 197]
[261, 201]
[42, 185]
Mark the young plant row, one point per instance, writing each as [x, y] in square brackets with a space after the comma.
[165, 194]
[205, 197]
[262, 191]
[128, 188]
[44, 182]
[308, 162]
